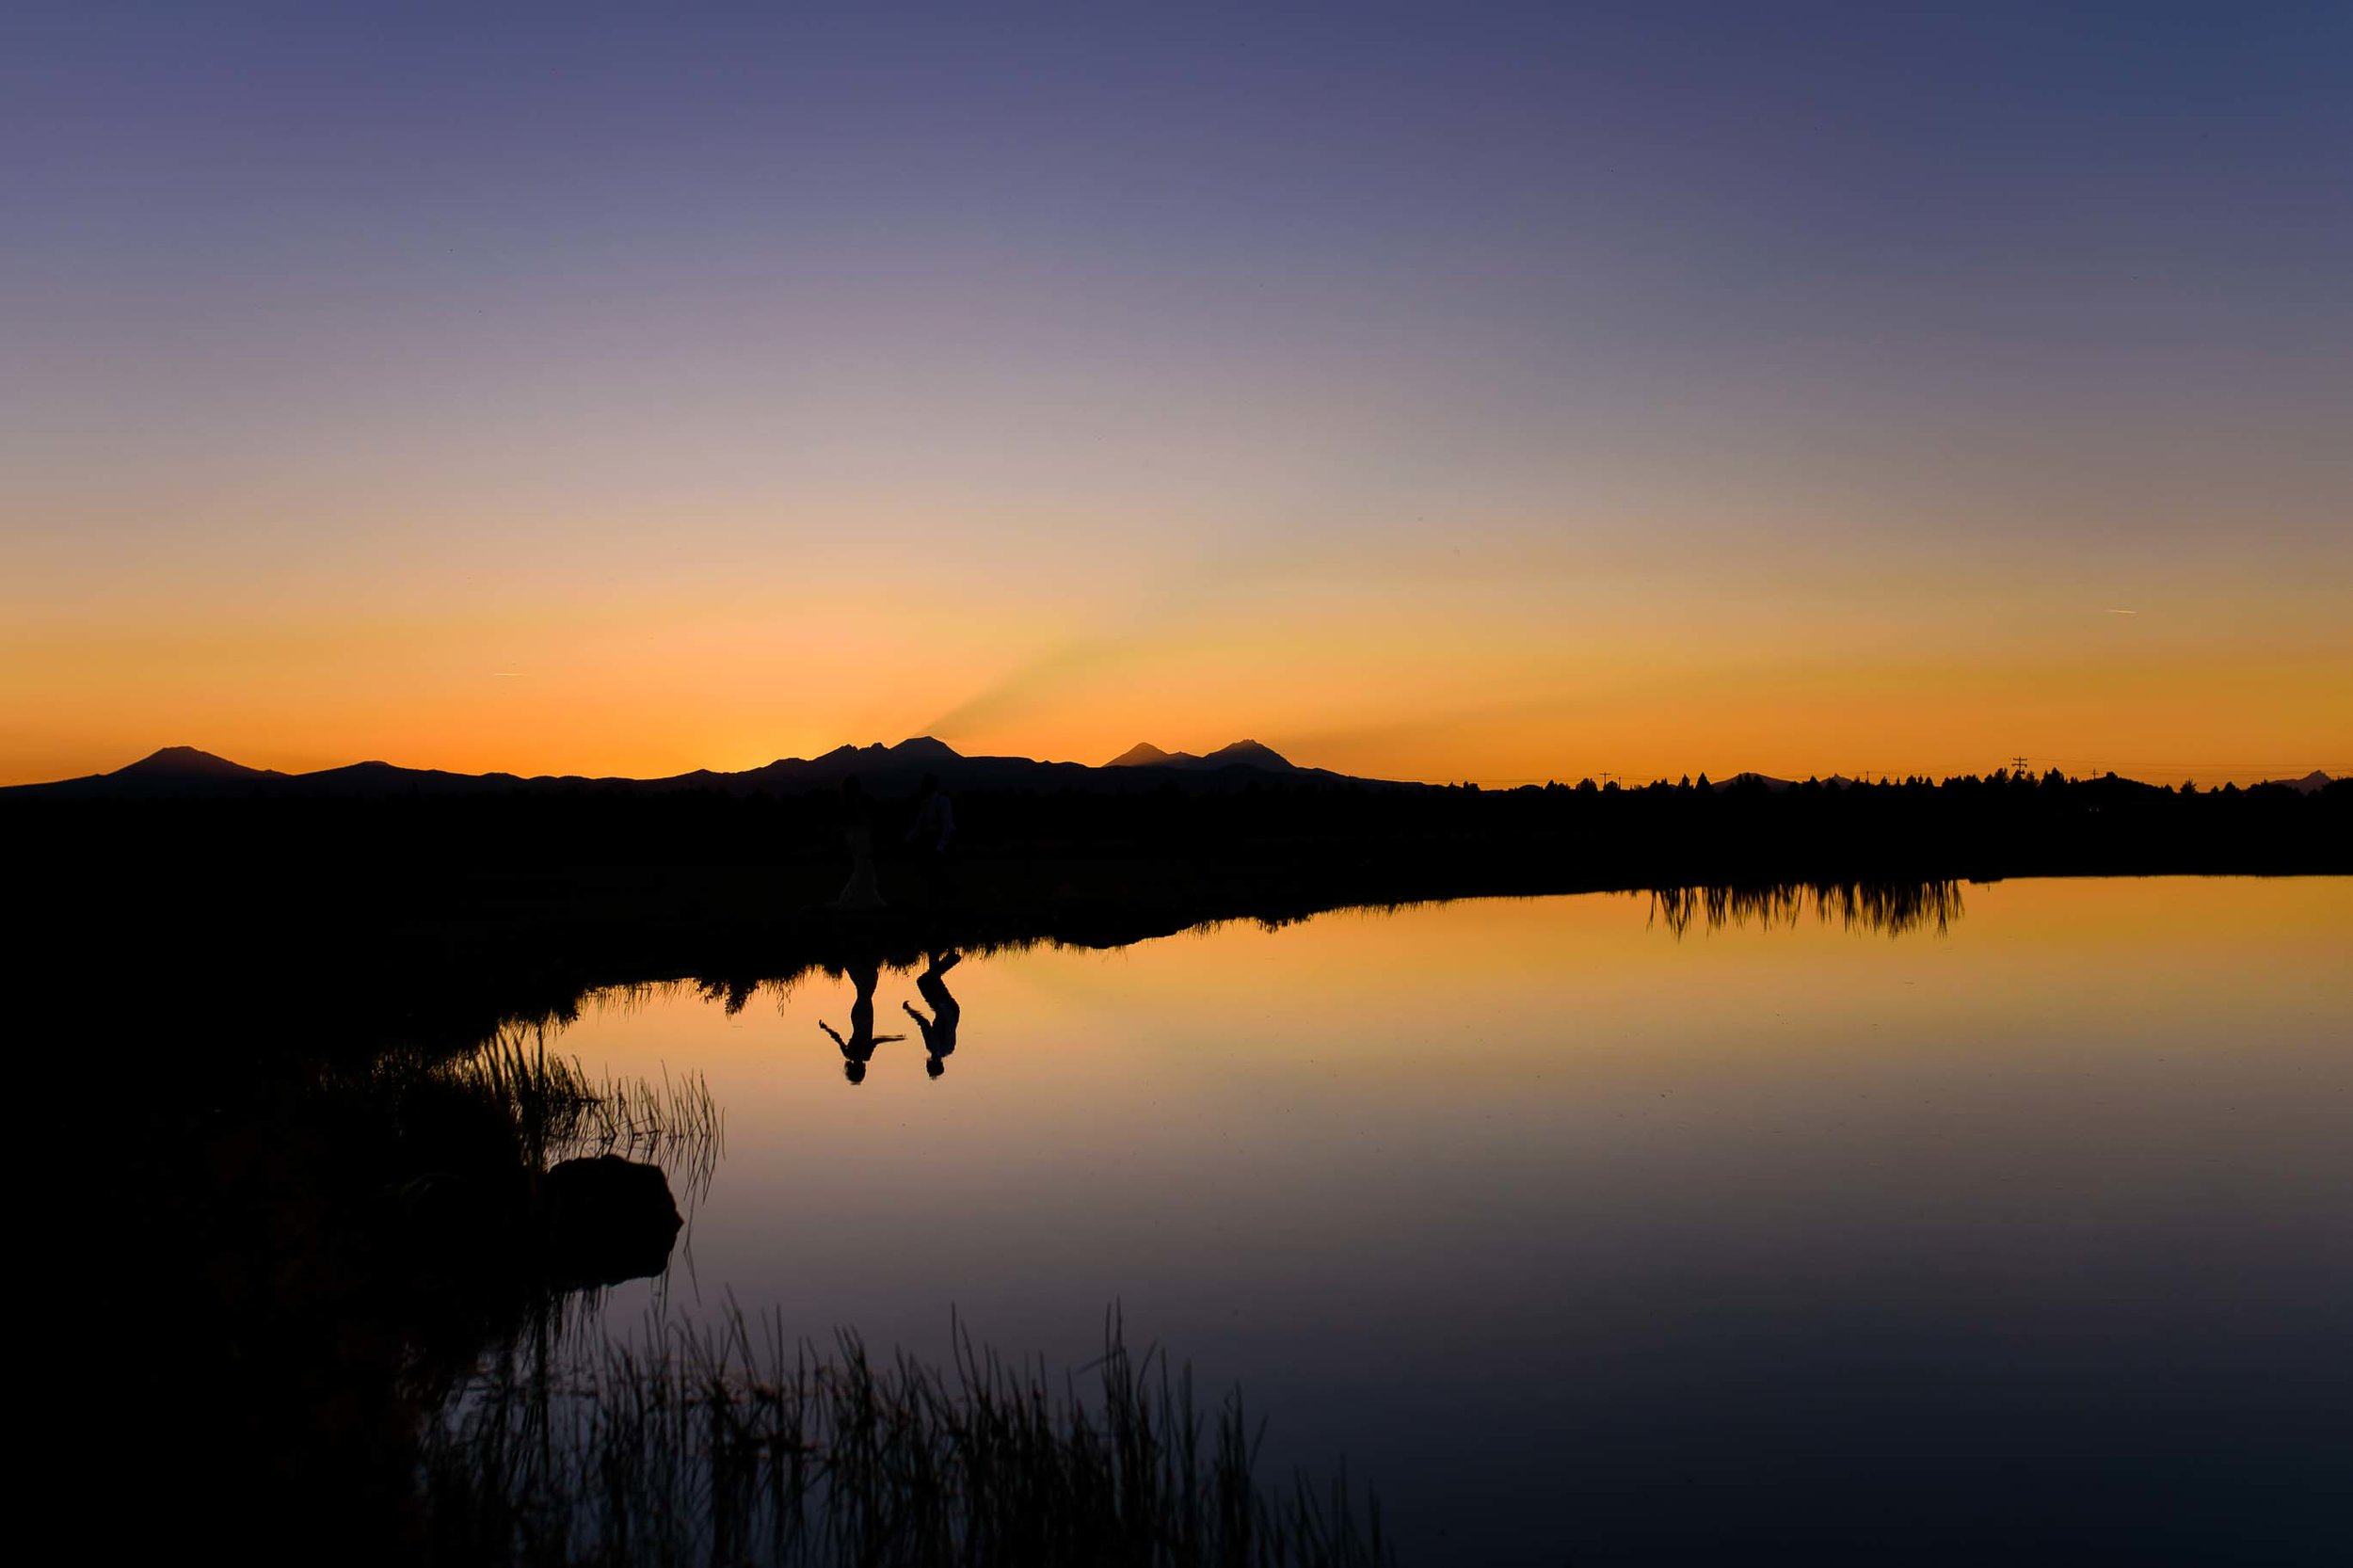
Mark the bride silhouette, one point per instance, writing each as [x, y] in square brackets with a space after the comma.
[858, 1048]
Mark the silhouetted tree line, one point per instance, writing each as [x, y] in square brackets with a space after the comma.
[1995, 825]
[544, 892]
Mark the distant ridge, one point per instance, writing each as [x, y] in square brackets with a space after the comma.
[1249, 754]
[169, 770]
[185, 772]
[182, 772]
[2312, 783]
[188, 762]
[1144, 754]
[1835, 782]
[1241, 754]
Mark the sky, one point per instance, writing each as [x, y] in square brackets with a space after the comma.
[1446, 391]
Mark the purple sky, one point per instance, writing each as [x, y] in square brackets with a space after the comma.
[351, 349]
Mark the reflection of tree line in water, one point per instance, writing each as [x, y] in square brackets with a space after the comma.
[1896, 908]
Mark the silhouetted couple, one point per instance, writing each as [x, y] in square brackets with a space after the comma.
[940, 1030]
[931, 837]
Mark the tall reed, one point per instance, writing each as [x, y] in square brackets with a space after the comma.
[736, 1445]
[1894, 907]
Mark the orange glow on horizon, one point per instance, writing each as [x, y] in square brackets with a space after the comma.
[647, 697]
[1529, 649]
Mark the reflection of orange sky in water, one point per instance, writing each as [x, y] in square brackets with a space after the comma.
[1429, 997]
[1392, 1109]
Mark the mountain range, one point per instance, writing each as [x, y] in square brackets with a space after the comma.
[2312, 783]
[185, 773]
[1836, 781]
[1242, 753]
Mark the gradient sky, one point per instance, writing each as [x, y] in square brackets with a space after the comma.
[1441, 391]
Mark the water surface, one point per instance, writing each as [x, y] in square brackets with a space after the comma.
[1589, 1232]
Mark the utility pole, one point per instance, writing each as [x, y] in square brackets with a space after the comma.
[2017, 764]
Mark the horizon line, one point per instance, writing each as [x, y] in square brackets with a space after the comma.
[1601, 777]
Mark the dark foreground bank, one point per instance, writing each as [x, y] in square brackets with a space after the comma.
[307, 1228]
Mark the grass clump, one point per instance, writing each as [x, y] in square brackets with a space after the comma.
[738, 1446]
[523, 1105]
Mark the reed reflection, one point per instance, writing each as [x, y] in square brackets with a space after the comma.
[1896, 908]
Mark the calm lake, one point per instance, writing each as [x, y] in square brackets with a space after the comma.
[1591, 1231]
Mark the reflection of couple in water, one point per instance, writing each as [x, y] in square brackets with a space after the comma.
[940, 1030]
[933, 831]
